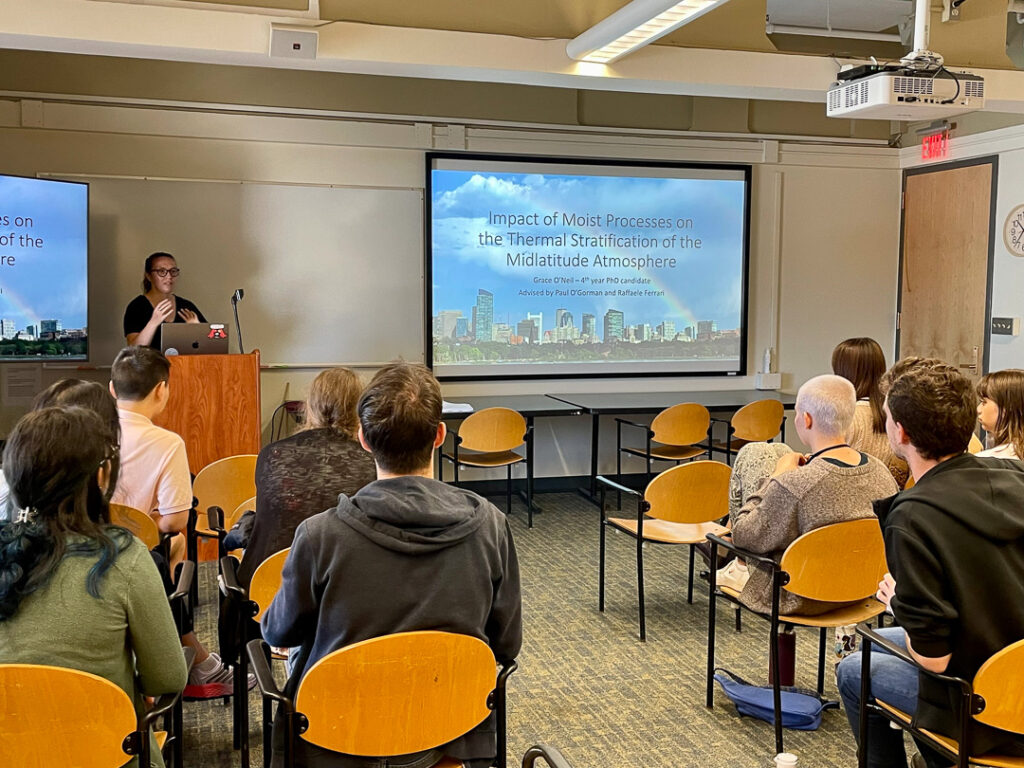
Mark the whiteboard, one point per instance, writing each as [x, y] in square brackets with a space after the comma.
[332, 275]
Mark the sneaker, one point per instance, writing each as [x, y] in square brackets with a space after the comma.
[734, 576]
[213, 679]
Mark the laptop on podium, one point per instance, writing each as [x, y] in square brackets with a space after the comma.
[193, 339]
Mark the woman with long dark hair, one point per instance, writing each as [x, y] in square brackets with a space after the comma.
[861, 362]
[76, 591]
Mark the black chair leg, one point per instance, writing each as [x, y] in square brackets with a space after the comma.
[529, 494]
[618, 463]
[640, 585]
[600, 582]
[712, 606]
[739, 620]
[508, 492]
[773, 654]
[689, 584]
[821, 660]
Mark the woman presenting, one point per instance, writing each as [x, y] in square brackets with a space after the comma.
[157, 304]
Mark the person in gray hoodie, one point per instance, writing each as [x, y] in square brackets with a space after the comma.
[406, 552]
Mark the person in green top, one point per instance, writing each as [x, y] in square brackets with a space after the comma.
[76, 591]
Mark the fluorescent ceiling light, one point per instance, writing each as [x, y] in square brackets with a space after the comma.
[634, 26]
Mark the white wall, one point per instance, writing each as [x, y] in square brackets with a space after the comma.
[824, 234]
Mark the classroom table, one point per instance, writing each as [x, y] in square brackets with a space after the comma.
[530, 406]
[598, 404]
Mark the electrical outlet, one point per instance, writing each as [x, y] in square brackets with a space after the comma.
[1005, 326]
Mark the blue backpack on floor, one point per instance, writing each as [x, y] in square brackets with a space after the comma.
[801, 710]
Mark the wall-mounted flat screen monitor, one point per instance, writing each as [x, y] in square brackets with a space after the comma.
[554, 268]
[44, 269]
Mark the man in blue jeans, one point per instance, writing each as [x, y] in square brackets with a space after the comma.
[955, 546]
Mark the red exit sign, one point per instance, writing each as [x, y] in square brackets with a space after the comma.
[935, 146]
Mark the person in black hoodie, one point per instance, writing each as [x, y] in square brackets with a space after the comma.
[955, 546]
[405, 553]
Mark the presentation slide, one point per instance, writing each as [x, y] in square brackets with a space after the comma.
[554, 269]
[44, 265]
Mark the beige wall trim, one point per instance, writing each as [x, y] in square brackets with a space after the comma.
[400, 119]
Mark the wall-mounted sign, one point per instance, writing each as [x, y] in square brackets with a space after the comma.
[935, 146]
[1013, 231]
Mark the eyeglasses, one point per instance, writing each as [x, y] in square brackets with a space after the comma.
[161, 272]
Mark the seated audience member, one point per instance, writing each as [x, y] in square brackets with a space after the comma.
[406, 552]
[861, 362]
[155, 479]
[1001, 413]
[955, 543]
[832, 484]
[75, 591]
[302, 475]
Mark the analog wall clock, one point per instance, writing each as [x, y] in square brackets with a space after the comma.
[1013, 231]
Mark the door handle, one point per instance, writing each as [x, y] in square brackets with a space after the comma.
[975, 365]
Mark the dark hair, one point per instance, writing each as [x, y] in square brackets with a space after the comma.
[399, 413]
[92, 396]
[137, 370]
[332, 401]
[1006, 390]
[146, 284]
[936, 405]
[50, 461]
[861, 361]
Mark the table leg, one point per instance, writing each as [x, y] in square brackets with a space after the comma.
[595, 436]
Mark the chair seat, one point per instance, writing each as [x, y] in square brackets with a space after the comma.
[496, 459]
[994, 761]
[449, 762]
[668, 452]
[848, 614]
[733, 445]
[669, 533]
[161, 738]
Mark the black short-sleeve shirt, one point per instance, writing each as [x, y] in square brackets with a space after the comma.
[139, 311]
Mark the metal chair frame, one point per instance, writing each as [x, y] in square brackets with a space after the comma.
[779, 579]
[971, 704]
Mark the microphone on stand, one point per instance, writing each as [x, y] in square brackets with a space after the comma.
[236, 297]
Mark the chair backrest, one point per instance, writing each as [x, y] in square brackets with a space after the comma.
[139, 523]
[241, 509]
[266, 581]
[225, 483]
[683, 424]
[760, 420]
[999, 682]
[493, 429]
[697, 492]
[837, 563]
[397, 694]
[53, 717]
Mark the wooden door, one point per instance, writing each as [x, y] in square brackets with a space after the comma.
[945, 264]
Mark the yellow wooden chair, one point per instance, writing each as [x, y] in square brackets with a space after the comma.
[251, 605]
[672, 435]
[994, 699]
[840, 563]
[486, 440]
[142, 526]
[680, 506]
[55, 717]
[392, 695]
[221, 524]
[759, 421]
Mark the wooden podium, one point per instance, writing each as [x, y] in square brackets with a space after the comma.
[214, 405]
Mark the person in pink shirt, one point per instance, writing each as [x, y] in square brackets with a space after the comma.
[155, 479]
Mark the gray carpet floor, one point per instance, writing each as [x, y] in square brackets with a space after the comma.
[586, 684]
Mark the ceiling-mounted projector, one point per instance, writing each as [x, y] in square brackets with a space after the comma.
[918, 88]
[901, 93]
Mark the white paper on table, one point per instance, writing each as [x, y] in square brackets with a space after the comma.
[447, 407]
